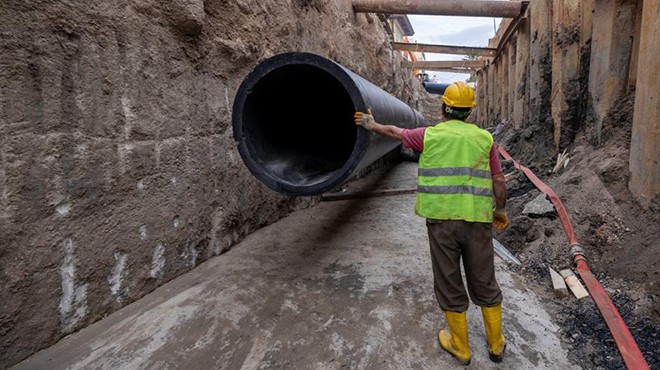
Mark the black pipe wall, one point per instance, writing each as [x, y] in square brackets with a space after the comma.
[435, 88]
[293, 123]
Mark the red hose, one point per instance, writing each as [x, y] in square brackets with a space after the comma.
[625, 342]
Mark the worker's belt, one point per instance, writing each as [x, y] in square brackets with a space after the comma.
[454, 189]
[454, 171]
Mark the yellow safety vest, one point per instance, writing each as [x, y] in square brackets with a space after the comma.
[454, 180]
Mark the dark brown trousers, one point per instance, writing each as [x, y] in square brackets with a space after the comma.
[472, 241]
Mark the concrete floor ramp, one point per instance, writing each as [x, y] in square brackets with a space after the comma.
[345, 284]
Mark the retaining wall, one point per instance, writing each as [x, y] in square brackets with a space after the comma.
[573, 66]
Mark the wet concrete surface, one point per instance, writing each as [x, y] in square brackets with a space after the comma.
[345, 284]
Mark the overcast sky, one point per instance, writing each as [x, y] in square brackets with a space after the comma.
[459, 31]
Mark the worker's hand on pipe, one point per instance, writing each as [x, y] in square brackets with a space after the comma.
[365, 120]
[500, 219]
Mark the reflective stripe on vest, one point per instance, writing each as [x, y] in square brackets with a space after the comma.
[455, 171]
[454, 178]
[455, 189]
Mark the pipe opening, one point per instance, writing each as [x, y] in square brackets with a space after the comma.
[298, 123]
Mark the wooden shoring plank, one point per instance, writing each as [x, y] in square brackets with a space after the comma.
[558, 284]
[444, 49]
[474, 64]
[574, 284]
[513, 27]
[450, 70]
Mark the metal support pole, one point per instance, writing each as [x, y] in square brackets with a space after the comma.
[472, 64]
[474, 8]
[444, 49]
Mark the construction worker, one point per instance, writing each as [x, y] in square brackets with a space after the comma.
[459, 172]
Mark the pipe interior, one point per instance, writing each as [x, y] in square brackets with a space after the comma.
[298, 120]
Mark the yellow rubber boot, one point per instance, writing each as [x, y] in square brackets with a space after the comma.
[493, 323]
[455, 340]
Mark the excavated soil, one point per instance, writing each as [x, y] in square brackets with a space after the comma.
[620, 238]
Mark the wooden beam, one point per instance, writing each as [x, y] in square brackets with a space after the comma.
[450, 70]
[513, 27]
[558, 284]
[574, 284]
[510, 176]
[472, 8]
[444, 49]
[433, 64]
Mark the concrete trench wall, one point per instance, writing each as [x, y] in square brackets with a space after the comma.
[570, 67]
[118, 171]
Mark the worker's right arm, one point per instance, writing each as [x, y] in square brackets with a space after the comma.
[367, 121]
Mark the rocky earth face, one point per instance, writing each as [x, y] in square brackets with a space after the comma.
[619, 236]
[118, 170]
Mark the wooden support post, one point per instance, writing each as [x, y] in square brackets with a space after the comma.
[644, 149]
[521, 83]
[503, 83]
[492, 96]
[510, 30]
[540, 61]
[632, 73]
[495, 93]
[486, 90]
[481, 97]
[608, 77]
[565, 70]
[511, 83]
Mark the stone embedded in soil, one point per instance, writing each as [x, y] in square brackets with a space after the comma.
[188, 16]
[540, 207]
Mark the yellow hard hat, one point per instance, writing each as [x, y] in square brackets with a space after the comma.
[459, 95]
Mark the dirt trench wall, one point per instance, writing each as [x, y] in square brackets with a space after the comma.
[118, 170]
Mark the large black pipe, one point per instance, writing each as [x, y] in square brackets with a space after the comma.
[293, 122]
[434, 88]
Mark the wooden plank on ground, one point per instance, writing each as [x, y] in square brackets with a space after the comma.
[574, 284]
[510, 176]
[558, 284]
